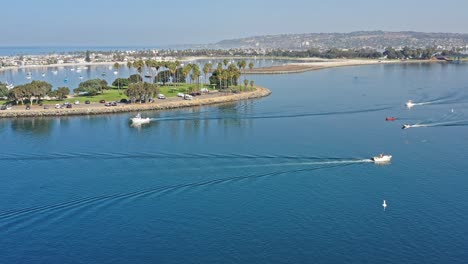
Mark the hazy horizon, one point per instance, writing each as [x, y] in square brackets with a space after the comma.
[145, 23]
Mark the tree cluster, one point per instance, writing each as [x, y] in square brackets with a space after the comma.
[142, 91]
[92, 87]
[35, 89]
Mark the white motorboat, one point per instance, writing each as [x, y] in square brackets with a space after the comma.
[382, 158]
[406, 126]
[138, 120]
[410, 104]
[384, 205]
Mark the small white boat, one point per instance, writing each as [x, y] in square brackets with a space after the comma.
[28, 77]
[81, 77]
[382, 158]
[43, 75]
[72, 69]
[55, 72]
[410, 104]
[138, 120]
[406, 126]
[384, 205]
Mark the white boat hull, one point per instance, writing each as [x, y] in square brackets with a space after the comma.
[139, 120]
[381, 159]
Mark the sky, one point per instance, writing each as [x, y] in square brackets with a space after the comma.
[160, 23]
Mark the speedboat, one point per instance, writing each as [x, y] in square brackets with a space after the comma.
[406, 126]
[138, 120]
[390, 118]
[382, 158]
[410, 104]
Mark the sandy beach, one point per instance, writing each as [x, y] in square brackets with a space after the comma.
[311, 64]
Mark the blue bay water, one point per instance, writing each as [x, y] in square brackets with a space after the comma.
[282, 179]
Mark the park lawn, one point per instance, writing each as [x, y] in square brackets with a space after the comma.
[114, 94]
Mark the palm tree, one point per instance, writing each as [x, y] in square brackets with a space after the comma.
[173, 70]
[177, 64]
[186, 70]
[243, 65]
[251, 84]
[207, 69]
[251, 65]
[225, 62]
[246, 82]
[139, 64]
[116, 67]
[195, 74]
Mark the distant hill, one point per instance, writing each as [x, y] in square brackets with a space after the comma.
[359, 39]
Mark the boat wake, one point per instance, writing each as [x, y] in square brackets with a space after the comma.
[162, 156]
[271, 116]
[12, 217]
[439, 124]
[447, 99]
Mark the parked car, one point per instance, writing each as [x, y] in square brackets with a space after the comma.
[87, 102]
[205, 90]
[161, 96]
[102, 101]
[57, 106]
[3, 107]
[114, 104]
[28, 107]
[180, 95]
[123, 100]
[46, 106]
[8, 107]
[188, 97]
[107, 104]
[69, 105]
[77, 102]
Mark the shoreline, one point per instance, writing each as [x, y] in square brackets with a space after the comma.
[324, 64]
[172, 104]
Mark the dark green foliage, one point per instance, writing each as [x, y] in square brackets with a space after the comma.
[121, 82]
[87, 57]
[142, 91]
[165, 76]
[3, 90]
[91, 87]
[134, 78]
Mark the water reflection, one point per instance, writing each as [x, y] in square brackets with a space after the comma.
[36, 126]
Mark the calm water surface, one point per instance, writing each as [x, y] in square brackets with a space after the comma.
[283, 179]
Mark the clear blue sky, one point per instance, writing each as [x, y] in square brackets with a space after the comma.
[151, 23]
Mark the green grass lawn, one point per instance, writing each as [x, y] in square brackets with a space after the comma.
[116, 94]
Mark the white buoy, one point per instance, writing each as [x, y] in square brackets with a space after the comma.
[384, 205]
[452, 110]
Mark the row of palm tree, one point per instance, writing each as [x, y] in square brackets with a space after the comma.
[228, 72]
